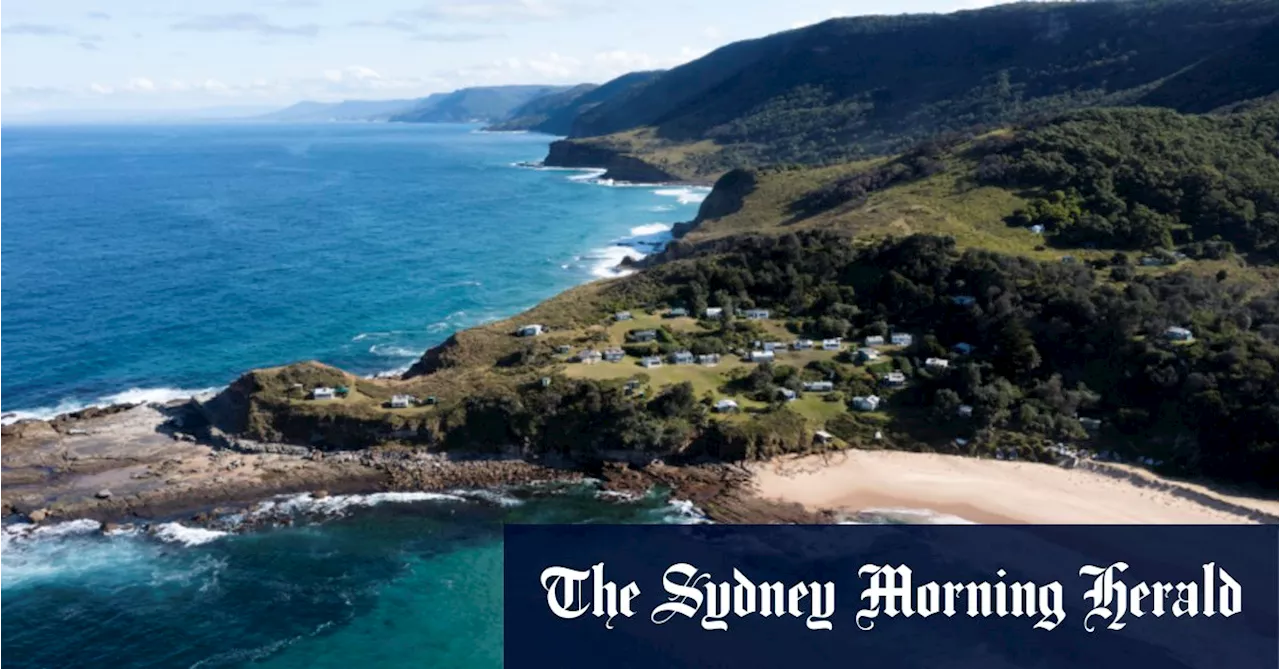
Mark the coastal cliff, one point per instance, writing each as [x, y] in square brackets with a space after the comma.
[618, 166]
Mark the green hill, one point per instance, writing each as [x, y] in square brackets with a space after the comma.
[555, 113]
[865, 86]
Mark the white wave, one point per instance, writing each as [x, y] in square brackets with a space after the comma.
[188, 536]
[388, 351]
[130, 396]
[604, 262]
[389, 373]
[333, 505]
[493, 496]
[650, 229]
[618, 495]
[904, 516]
[683, 512]
[661, 207]
[685, 194]
[71, 549]
[588, 174]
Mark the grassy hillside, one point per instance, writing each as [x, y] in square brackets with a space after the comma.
[864, 86]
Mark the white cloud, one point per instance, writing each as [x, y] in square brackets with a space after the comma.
[243, 22]
[101, 89]
[493, 10]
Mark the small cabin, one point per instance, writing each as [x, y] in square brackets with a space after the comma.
[614, 355]
[868, 354]
[834, 344]
[678, 312]
[822, 437]
[819, 386]
[709, 359]
[787, 394]
[1178, 334]
[756, 314]
[530, 330]
[682, 358]
[802, 344]
[867, 403]
[901, 339]
[726, 406]
[545, 381]
[773, 346]
[563, 348]
[643, 335]
[937, 363]
[713, 312]
[964, 300]
[649, 362]
[761, 356]
[894, 379]
[323, 393]
[590, 357]
[873, 340]
[965, 411]
[622, 316]
[1037, 229]
[1091, 424]
[401, 401]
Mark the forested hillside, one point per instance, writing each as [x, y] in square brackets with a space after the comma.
[555, 113]
[482, 103]
[872, 85]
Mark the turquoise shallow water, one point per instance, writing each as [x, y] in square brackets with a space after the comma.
[144, 262]
[366, 583]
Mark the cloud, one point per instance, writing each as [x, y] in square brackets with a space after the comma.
[454, 37]
[141, 85]
[244, 22]
[101, 89]
[38, 29]
[99, 16]
[397, 25]
[291, 4]
[34, 92]
[500, 10]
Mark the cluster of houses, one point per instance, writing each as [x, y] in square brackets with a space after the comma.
[681, 358]
[895, 339]
[591, 356]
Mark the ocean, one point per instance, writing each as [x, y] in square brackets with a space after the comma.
[149, 263]
[146, 263]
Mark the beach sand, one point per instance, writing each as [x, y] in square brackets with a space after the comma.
[993, 491]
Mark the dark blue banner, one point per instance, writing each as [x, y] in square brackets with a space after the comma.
[885, 596]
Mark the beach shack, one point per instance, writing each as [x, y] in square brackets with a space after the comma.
[819, 386]
[714, 312]
[901, 339]
[867, 403]
[965, 411]
[709, 359]
[401, 401]
[323, 393]
[614, 355]
[530, 330]
[756, 314]
[761, 356]
[834, 344]
[822, 437]
[873, 340]
[682, 358]
[894, 379]
[590, 357]
[1178, 334]
[867, 354]
[678, 312]
[726, 406]
[622, 316]
[642, 335]
[787, 394]
[563, 348]
[937, 364]
[651, 361]
[802, 344]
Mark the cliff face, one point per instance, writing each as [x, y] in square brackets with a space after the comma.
[617, 165]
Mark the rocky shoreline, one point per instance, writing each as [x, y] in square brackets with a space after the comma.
[155, 463]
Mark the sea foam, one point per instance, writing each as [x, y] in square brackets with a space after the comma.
[130, 396]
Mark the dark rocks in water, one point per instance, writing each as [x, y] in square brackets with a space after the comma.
[38, 516]
[618, 166]
[319, 494]
[103, 494]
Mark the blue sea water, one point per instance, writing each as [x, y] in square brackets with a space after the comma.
[143, 263]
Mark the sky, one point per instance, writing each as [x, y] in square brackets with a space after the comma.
[180, 54]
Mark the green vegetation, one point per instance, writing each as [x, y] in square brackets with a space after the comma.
[481, 103]
[855, 87]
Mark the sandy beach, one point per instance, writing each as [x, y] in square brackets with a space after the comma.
[992, 491]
